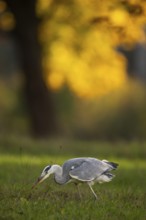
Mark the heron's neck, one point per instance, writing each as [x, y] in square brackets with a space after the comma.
[59, 178]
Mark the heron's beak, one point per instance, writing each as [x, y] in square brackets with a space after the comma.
[39, 180]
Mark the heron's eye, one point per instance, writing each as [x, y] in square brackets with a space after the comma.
[47, 168]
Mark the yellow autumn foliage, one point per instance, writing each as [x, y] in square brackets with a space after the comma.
[80, 39]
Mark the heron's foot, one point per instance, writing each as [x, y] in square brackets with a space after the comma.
[96, 198]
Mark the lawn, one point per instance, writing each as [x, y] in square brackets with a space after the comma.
[22, 160]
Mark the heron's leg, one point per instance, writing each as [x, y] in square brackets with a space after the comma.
[80, 195]
[89, 184]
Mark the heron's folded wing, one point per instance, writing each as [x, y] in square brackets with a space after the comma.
[88, 171]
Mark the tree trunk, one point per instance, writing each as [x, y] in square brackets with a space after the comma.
[40, 105]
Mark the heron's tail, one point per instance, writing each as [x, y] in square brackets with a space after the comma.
[105, 177]
[113, 164]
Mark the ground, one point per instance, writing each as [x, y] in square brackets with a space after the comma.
[22, 160]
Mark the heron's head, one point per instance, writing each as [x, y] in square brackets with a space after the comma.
[44, 175]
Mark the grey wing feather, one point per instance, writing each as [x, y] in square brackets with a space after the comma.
[69, 165]
[88, 169]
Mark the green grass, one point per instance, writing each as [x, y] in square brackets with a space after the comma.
[22, 160]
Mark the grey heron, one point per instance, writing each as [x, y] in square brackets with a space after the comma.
[85, 169]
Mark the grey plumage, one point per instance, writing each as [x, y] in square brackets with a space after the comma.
[85, 169]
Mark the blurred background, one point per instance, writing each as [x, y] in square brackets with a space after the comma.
[73, 68]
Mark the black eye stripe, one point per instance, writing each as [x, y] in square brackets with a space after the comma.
[47, 168]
